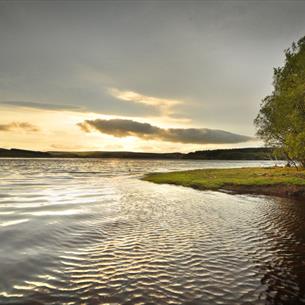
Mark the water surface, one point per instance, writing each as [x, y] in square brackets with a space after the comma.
[88, 231]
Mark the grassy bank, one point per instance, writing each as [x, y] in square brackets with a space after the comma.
[277, 181]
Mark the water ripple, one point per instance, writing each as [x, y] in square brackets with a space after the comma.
[89, 232]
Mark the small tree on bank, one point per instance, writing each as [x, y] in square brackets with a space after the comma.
[281, 119]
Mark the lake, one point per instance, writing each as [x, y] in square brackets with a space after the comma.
[89, 231]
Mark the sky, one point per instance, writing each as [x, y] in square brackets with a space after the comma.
[157, 76]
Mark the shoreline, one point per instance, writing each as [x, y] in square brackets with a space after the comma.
[278, 190]
[271, 181]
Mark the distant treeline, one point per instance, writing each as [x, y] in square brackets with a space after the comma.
[232, 154]
[259, 153]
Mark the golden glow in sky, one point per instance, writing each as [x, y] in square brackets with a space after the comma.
[151, 76]
[39, 128]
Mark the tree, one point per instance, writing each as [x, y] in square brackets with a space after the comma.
[281, 119]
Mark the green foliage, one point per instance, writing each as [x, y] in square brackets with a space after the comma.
[281, 120]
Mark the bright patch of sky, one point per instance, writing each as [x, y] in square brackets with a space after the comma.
[174, 65]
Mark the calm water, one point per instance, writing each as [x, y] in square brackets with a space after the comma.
[90, 232]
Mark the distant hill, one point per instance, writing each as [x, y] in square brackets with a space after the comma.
[21, 153]
[117, 154]
[259, 153]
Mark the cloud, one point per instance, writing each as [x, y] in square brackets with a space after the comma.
[165, 106]
[16, 126]
[37, 105]
[125, 128]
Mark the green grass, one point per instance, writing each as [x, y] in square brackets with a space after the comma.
[214, 179]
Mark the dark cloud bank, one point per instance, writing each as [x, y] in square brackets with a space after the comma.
[124, 128]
